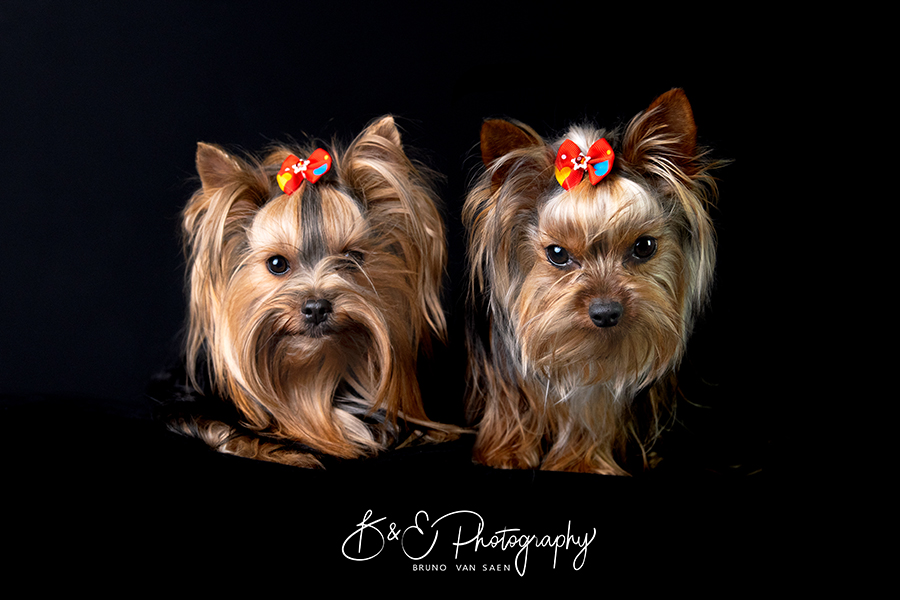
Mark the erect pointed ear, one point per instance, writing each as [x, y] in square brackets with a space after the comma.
[379, 141]
[378, 144]
[499, 138]
[231, 190]
[215, 167]
[673, 110]
[666, 129]
[384, 127]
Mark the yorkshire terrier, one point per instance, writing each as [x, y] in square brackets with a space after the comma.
[314, 281]
[590, 259]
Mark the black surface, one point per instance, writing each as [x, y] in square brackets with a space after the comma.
[93, 486]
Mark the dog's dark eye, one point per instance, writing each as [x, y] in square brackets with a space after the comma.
[353, 259]
[278, 265]
[644, 247]
[558, 256]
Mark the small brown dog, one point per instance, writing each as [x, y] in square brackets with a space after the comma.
[313, 284]
[587, 286]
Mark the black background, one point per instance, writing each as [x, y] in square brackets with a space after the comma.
[102, 106]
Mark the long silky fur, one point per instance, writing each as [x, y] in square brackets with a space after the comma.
[540, 396]
[342, 395]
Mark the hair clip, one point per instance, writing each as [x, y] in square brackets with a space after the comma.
[571, 163]
[293, 170]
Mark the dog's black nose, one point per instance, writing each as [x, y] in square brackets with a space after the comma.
[316, 311]
[605, 313]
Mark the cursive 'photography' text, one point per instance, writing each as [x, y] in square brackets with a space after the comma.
[464, 534]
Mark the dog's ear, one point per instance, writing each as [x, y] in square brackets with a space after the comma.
[517, 159]
[232, 190]
[661, 143]
[373, 159]
[385, 127]
[674, 110]
[402, 210]
[215, 167]
[213, 223]
[665, 133]
[380, 141]
[500, 138]
[375, 162]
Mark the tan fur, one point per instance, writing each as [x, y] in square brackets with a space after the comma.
[549, 388]
[376, 252]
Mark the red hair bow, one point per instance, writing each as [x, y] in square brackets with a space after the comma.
[571, 163]
[293, 170]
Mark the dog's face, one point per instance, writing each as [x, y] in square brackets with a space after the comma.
[312, 284]
[602, 293]
[309, 301]
[597, 283]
